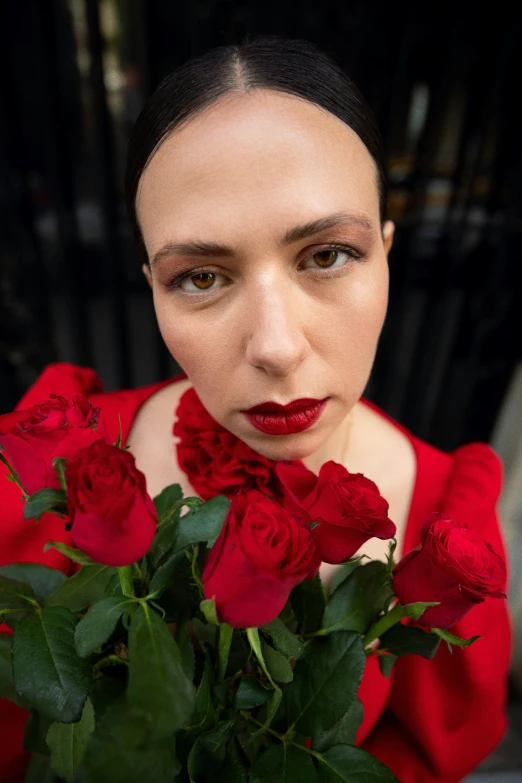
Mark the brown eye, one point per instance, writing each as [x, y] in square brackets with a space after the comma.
[326, 257]
[205, 278]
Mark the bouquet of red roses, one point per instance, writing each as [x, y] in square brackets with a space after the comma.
[194, 641]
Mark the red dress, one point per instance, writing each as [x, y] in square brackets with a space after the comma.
[431, 720]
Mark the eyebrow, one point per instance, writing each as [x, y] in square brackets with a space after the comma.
[214, 250]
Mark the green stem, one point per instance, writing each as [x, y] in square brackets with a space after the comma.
[109, 660]
[385, 622]
[59, 466]
[13, 475]
[282, 737]
[195, 570]
[126, 581]
[192, 502]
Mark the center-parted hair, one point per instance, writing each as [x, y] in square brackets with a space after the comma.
[294, 66]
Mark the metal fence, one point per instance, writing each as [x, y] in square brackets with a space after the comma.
[73, 77]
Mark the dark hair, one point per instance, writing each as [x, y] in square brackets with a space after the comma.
[273, 62]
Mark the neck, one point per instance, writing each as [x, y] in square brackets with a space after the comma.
[336, 447]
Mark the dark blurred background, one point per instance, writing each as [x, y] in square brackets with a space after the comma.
[445, 88]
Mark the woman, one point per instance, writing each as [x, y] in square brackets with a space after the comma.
[257, 192]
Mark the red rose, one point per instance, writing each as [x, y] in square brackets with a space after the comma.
[113, 518]
[349, 507]
[453, 565]
[32, 438]
[215, 460]
[261, 553]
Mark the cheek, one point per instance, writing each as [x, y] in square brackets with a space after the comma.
[190, 339]
[355, 319]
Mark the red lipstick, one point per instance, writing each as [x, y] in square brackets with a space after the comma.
[295, 416]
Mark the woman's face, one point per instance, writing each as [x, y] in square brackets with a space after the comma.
[274, 313]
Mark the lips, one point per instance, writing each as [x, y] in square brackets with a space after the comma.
[297, 416]
[275, 407]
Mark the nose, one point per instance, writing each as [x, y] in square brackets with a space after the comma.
[275, 317]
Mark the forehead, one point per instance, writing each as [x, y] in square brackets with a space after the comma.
[258, 162]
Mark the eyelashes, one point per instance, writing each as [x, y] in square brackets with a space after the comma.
[211, 276]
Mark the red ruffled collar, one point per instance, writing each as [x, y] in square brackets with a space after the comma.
[216, 461]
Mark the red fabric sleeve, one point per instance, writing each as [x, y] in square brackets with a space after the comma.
[23, 541]
[446, 715]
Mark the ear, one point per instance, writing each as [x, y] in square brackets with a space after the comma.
[388, 232]
[146, 271]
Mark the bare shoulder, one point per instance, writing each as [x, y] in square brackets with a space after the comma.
[152, 442]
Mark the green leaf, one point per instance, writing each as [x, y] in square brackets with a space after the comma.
[98, 624]
[308, 602]
[67, 742]
[165, 573]
[45, 500]
[456, 640]
[157, 682]
[186, 649]
[125, 747]
[203, 523]
[14, 594]
[113, 586]
[276, 664]
[234, 770]
[83, 588]
[47, 670]
[6, 668]
[206, 633]
[386, 662]
[346, 763]
[255, 643]
[251, 693]
[415, 611]
[7, 687]
[42, 579]
[208, 751]
[344, 732]
[17, 600]
[358, 601]
[272, 706]
[326, 681]
[404, 639]
[283, 764]
[76, 555]
[225, 640]
[283, 638]
[204, 716]
[167, 498]
[343, 572]
[120, 432]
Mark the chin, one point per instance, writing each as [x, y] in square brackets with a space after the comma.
[289, 447]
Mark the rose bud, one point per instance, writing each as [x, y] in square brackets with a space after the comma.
[349, 507]
[215, 460]
[112, 517]
[452, 565]
[32, 438]
[260, 555]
